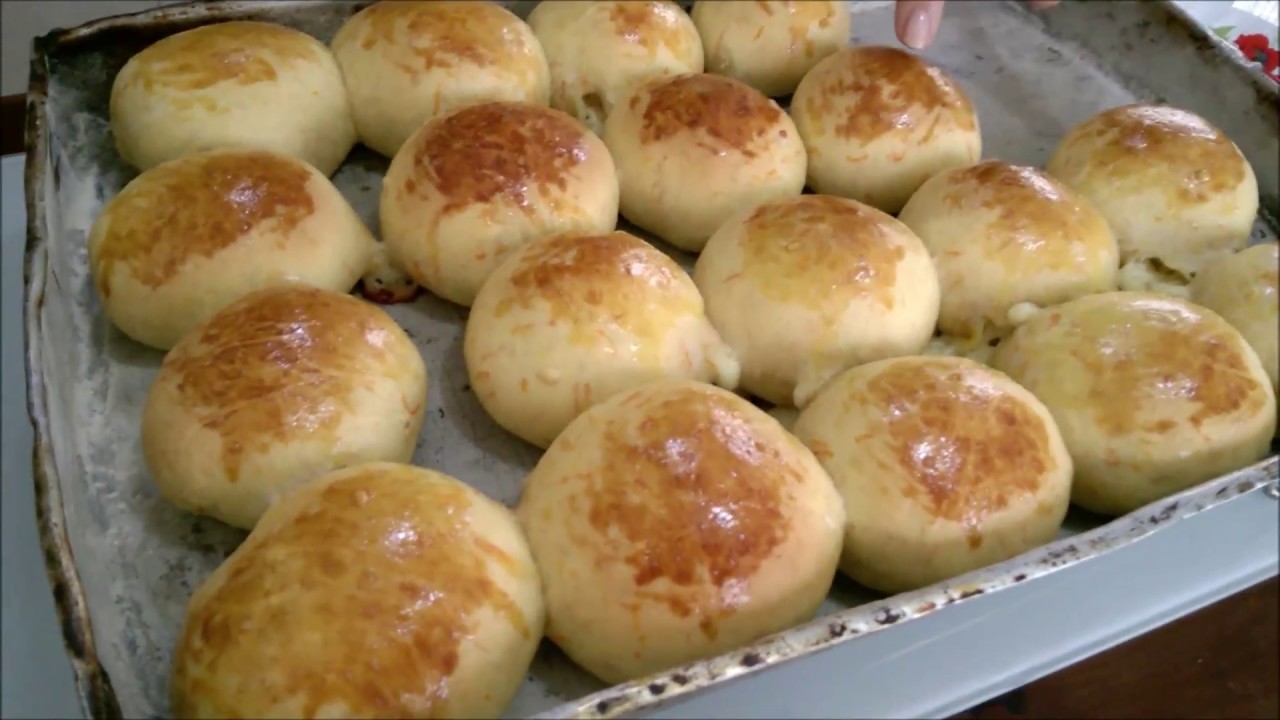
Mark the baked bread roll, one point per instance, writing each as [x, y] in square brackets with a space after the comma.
[1243, 289]
[232, 85]
[1153, 394]
[805, 287]
[693, 150]
[955, 467]
[406, 62]
[1001, 235]
[599, 51]
[381, 590]
[186, 238]
[569, 321]
[1173, 187]
[698, 524]
[878, 121]
[280, 387]
[770, 45]
[471, 186]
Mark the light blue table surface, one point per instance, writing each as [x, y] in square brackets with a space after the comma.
[935, 666]
[36, 680]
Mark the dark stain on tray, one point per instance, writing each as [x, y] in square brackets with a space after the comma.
[751, 659]
[657, 688]
[680, 679]
[888, 616]
[1165, 513]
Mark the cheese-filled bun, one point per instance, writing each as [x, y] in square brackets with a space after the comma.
[406, 62]
[945, 466]
[280, 387]
[599, 51]
[694, 149]
[878, 121]
[1003, 234]
[805, 287]
[186, 238]
[1172, 186]
[232, 85]
[569, 321]
[471, 186]
[1152, 394]
[1242, 288]
[381, 590]
[675, 522]
[770, 45]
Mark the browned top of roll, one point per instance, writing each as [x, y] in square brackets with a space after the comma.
[732, 114]
[497, 150]
[246, 52]
[1159, 144]
[970, 446]
[417, 36]
[704, 497]
[809, 248]
[195, 207]
[877, 90]
[378, 565]
[276, 363]
[651, 24]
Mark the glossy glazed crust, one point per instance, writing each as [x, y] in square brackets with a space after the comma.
[1171, 185]
[599, 51]
[1003, 234]
[472, 186]
[279, 387]
[694, 149]
[569, 321]
[232, 84]
[770, 45]
[805, 287]
[1244, 288]
[879, 121]
[698, 521]
[188, 237]
[1151, 393]
[945, 466]
[407, 61]
[382, 590]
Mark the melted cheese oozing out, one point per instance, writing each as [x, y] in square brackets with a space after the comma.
[1153, 275]
[980, 348]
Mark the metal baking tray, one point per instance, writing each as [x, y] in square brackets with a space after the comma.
[122, 561]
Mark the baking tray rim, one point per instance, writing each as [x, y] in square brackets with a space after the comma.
[93, 685]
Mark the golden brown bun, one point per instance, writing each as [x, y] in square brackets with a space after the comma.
[232, 85]
[186, 238]
[599, 51]
[279, 387]
[471, 186]
[1243, 289]
[878, 121]
[693, 150]
[1171, 185]
[406, 62]
[569, 321]
[770, 45]
[1003, 234]
[945, 466]
[674, 522]
[382, 590]
[805, 287]
[1152, 394]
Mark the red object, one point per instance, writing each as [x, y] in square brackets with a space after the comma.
[1256, 47]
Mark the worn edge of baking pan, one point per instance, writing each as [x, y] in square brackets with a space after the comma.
[96, 694]
[825, 632]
